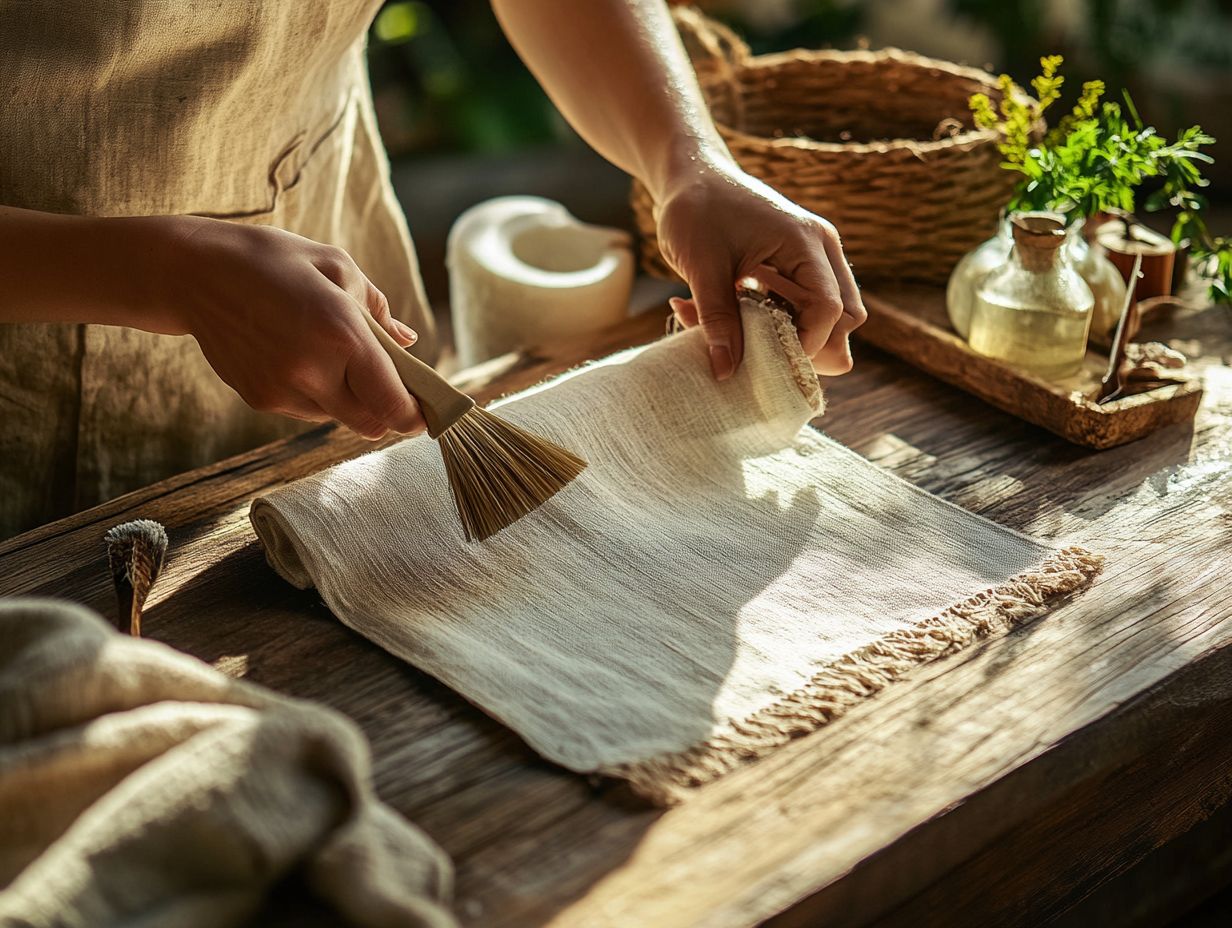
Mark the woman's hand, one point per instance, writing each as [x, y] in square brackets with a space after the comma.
[618, 72]
[717, 226]
[280, 319]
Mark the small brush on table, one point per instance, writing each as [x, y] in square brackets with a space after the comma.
[135, 552]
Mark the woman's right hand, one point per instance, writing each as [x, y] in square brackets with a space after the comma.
[280, 319]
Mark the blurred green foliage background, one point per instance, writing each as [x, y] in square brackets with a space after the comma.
[446, 80]
[464, 120]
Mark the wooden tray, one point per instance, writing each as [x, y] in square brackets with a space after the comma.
[910, 322]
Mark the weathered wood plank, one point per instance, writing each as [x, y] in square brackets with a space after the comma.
[1009, 782]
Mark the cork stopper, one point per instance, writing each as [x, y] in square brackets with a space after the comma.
[1037, 236]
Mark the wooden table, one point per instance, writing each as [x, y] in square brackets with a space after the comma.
[1077, 770]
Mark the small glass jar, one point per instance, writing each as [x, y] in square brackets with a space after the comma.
[1035, 310]
[969, 273]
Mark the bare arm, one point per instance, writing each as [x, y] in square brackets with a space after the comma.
[618, 73]
[278, 317]
[71, 269]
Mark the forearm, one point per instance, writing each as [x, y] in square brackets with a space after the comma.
[81, 269]
[618, 73]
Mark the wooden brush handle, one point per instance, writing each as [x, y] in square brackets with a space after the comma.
[442, 404]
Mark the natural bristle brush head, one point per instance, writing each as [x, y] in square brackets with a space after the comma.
[135, 552]
[499, 472]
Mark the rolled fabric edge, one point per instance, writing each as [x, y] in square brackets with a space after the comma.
[281, 544]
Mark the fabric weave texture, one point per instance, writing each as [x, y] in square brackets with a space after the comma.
[720, 579]
[138, 786]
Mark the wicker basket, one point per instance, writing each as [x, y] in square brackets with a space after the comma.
[880, 143]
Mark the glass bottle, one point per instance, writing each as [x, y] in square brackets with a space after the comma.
[1106, 283]
[969, 273]
[1035, 310]
[1090, 258]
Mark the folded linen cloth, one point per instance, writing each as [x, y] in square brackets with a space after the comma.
[720, 579]
[140, 787]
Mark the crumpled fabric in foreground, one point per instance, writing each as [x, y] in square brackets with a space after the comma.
[722, 577]
[138, 786]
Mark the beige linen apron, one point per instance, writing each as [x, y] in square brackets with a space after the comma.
[254, 112]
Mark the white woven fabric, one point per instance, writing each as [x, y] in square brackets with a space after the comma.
[722, 577]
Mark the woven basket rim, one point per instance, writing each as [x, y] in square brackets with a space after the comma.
[881, 147]
[887, 55]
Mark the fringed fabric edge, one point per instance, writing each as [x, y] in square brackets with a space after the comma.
[666, 779]
[798, 362]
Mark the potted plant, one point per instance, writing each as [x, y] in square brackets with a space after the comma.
[1211, 254]
[1019, 122]
[1124, 237]
[1091, 166]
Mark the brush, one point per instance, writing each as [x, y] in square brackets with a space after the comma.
[497, 471]
[135, 551]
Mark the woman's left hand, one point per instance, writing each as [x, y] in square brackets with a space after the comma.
[717, 226]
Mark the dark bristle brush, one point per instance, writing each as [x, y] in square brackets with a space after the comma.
[135, 552]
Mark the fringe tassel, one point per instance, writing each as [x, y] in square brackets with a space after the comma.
[665, 780]
[801, 367]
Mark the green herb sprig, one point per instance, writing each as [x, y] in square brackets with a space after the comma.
[1095, 159]
[1181, 182]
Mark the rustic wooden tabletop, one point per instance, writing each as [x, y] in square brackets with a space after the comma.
[1078, 770]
